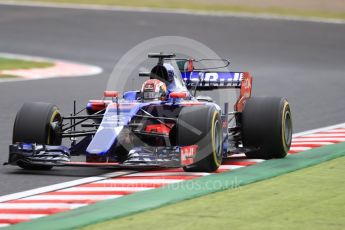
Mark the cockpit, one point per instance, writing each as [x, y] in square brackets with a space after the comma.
[170, 76]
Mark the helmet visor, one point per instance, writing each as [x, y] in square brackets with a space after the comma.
[151, 95]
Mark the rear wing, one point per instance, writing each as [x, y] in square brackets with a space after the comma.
[215, 80]
[211, 80]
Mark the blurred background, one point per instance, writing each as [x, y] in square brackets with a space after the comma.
[304, 8]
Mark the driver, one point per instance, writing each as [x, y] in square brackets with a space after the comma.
[154, 89]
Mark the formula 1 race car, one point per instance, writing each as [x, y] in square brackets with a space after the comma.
[162, 125]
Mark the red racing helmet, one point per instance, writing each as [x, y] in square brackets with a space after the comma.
[154, 89]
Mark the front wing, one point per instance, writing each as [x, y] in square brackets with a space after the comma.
[34, 154]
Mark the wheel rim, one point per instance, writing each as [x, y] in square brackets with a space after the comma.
[218, 140]
[55, 117]
[287, 128]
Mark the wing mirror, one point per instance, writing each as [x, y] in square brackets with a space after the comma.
[176, 95]
[112, 94]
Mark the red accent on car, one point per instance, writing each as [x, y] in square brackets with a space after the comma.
[245, 91]
[190, 66]
[188, 154]
[191, 103]
[97, 105]
[123, 106]
[178, 95]
[111, 94]
[158, 128]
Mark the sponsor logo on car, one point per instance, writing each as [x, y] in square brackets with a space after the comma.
[188, 154]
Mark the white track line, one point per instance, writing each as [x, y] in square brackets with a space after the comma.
[92, 189]
[335, 131]
[231, 167]
[138, 181]
[38, 206]
[265, 16]
[246, 160]
[311, 143]
[300, 148]
[72, 197]
[21, 216]
[326, 135]
[318, 139]
[323, 129]
[143, 174]
[63, 185]
[4, 225]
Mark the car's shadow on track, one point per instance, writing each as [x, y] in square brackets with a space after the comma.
[61, 172]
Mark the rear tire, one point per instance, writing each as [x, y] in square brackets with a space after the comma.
[267, 127]
[201, 126]
[33, 125]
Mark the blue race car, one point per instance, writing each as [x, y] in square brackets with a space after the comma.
[161, 125]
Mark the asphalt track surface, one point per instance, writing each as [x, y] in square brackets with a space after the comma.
[303, 61]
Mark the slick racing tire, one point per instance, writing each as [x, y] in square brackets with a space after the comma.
[267, 127]
[201, 126]
[33, 124]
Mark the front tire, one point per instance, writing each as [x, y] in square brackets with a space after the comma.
[201, 126]
[33, 125]
[267, 127]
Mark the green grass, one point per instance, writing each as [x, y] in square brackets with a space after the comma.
[208, 6]
[312, 198]
[7, 76]
[11, 64]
